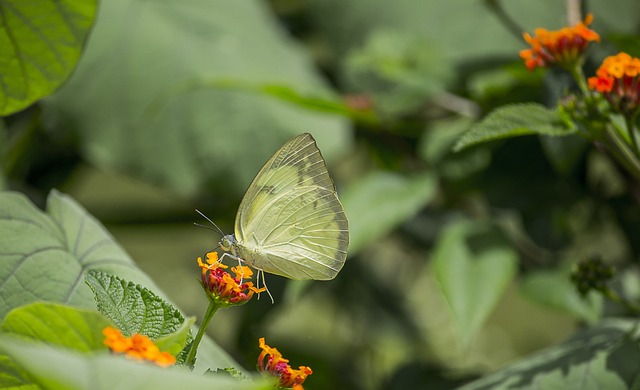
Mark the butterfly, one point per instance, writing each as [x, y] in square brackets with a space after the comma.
[290, 221]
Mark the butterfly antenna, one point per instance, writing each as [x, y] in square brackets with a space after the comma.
[210, 221]
[205, 226]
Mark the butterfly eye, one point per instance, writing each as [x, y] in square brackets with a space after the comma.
[227, 242]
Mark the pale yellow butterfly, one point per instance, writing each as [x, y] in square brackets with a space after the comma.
[290, 221]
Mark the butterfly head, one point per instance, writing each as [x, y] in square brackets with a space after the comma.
[228, 242]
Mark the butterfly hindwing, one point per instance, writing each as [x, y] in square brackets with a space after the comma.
[303, 235]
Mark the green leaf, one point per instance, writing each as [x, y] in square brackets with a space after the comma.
[3, 158]
[12, 377]
[513, 121]
[473, 264]
[346, 24]
[440, 136]
[553, 288]
[564, 153]
[399, 71]
[133, 308]
[42, 41]
[380, 201]
[56, 324]
[600, 358]
[176, 341]
[62, 369]
[43, 257]
[143, 90]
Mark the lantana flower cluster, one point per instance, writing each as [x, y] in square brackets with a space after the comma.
[616, 79]
[221, 287]
[271, 362]
[563, 47]
[137, 347]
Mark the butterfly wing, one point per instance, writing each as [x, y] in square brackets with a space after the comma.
[290, 221]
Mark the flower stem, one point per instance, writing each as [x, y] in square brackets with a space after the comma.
[622, 152]
[631, 120]
[191, 356]
[578, 75]
[496, 7]
[615, 297]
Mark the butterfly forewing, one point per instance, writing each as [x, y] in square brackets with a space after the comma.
[297, 163]
[290, 221]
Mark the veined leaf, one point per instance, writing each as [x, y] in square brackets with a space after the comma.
[56, 369]
[41, 41]
[599, 358]
[380, 201]
[553, 288]
[133, 308]
[473, 264]
[12, 377]
[171, 51]
[513, 121]
[43, 257]
[56, 324]
[176, 341]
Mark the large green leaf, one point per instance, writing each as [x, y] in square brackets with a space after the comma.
[380, 201]
[12, 377]
[515, 120]
[43, 256]
[473, 265]
[465, 31]
[553, 288]
[399, 71]
[146, 98]
[42, 41]
[77, 329]
[62, 369]
[3, 146]
[602, 358]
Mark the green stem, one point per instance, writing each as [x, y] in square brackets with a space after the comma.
[191, 356]
[622, 152]
[631, 120]
[613, 296]
[509, 23]
[578, 75]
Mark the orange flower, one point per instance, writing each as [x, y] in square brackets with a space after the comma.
[221, 287]
[271, 361]
[563, 47]
[617, 79]
[137, 347]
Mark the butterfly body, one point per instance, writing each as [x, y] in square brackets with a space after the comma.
[290, 222]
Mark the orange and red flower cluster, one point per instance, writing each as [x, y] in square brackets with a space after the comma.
[223, 288]
[617, 78]
[137, 347]
[562, 47]
[271, 361]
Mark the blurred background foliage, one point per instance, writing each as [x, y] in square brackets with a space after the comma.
[459, 262]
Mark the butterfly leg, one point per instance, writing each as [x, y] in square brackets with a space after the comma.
[264, 284]
[260, 272]
[234, 257]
